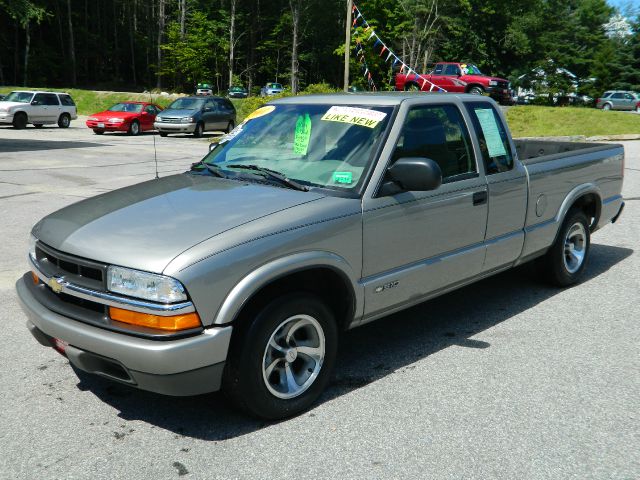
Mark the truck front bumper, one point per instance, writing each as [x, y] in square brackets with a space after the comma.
[6, 118]
[181, 367]
[500, 94]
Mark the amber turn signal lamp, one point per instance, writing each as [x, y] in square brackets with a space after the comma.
[173, 323]
[35, 278]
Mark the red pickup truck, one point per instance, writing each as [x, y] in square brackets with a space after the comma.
[455, 77]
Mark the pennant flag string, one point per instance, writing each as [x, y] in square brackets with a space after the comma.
[360, 51]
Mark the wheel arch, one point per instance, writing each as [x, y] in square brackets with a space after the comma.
[473, 85]
[586, 198]
[411, 83]
[322, 273]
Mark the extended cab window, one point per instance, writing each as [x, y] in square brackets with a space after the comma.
[452, 70]
[494, 142]
[438, 133]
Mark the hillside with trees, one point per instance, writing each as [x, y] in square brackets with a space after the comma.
[173, 44]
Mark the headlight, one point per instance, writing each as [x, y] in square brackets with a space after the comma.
[148, 286]
[5, 109]
[493, 83]
[32, 246]
[187, 120]
[116, 120]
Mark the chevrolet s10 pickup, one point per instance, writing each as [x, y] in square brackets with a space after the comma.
[315, 215]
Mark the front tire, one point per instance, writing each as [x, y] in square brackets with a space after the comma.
[281, 359]
[134, 128]
[607, 106]
[476, 91]
[565, 262]
[20, 121]
[230, 127]
[199, 130]
[64, 121]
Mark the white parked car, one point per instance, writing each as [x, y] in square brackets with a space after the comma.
[22, 107]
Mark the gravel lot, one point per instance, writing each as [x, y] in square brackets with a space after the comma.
[505, 379]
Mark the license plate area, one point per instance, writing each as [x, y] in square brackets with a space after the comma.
[100, 125]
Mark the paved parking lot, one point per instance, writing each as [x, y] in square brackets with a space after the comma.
[505, 379]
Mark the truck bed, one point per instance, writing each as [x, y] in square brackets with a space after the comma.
[537, 151]
[561, 171]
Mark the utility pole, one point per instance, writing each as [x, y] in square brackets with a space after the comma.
[347, 45]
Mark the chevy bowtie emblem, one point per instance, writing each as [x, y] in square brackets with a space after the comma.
[55, 283]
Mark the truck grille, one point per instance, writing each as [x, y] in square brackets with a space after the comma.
[82, 272]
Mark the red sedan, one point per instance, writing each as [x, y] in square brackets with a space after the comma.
[130, 117]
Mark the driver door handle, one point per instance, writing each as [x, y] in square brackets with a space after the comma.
[480, 198]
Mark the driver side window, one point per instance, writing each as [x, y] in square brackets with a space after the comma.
[438, 133]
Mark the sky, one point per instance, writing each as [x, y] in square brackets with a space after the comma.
[624, 3]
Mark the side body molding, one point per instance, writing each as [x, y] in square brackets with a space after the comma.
[281, 267]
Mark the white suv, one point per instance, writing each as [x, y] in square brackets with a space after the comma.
[39, 108]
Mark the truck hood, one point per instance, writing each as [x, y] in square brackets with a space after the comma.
[5, 104]
[145, 226]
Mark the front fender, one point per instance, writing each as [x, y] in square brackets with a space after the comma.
[281, 267]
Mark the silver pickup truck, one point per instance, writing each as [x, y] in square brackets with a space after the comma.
[315, 215]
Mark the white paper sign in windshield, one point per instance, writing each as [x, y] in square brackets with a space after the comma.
[354, 115]
[491, 132]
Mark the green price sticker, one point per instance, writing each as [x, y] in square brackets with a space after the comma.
[343, 177]
[302, 135]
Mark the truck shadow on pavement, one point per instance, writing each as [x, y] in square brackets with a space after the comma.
[22, 145]
[385, 347]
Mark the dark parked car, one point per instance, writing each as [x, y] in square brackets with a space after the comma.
[619, 100]
[238, 92]
[196, 115]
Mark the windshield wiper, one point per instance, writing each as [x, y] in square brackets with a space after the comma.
[273, 175]
[214, 170]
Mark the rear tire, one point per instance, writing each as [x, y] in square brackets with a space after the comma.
[281, 359]
[20, 120]
[565, 262]
[606, 106]
[134, 128]
[64, 121]
[199, 130]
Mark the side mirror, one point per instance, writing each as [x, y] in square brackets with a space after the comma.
[213, 145]
[413, 174]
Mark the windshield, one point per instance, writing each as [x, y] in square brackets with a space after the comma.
[236, 89]
[126, 107]
[21, 97]
[470, 69]
[316, 145]
[187, 104]
[274, 85]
